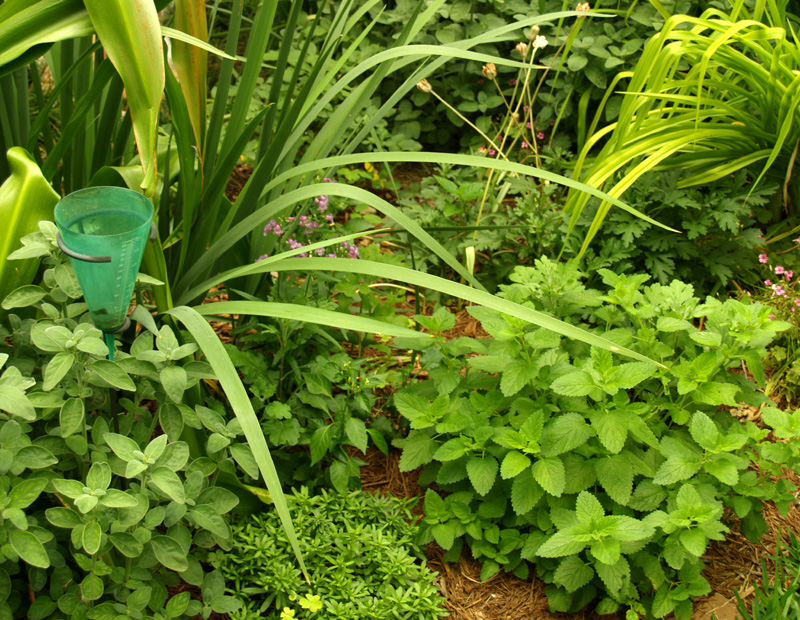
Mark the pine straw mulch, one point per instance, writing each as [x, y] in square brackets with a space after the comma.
[732, 565]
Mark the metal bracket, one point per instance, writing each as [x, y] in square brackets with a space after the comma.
[82, 257]
[119, 330]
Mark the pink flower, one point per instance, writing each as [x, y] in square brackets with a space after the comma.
[262, 257]
[512, 82]
[771, 317]
[767, 282]
[789, 275]
[524, 144]
[797, 240]
[779, 269]
[796, 301]
[762, 258]
[529, 125]
[526, 107]
[492, 152]
[540, 135]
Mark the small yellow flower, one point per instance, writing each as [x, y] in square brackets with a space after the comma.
[425, 86]
[312, 603]
[522, 49]
[583, 7]
[489, 70]
[287, 614]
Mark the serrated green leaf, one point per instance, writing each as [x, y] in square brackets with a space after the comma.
[616, 473]
[588, 508]
[704, 431]
[525, 492]
[629, 375]
[572, 573]
[418, 450]
[611, 428]
[514, 463]
[606, 551]
[516, 376]
[550, 474]
[676, 468]
[564, 433]
[559, 545]
[482, 472]
[574, 384]
[451, 450]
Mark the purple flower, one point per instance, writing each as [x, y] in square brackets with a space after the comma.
[294, 244]
[262, 257]
[319, 251]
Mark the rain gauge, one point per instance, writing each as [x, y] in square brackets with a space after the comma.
[104, 231]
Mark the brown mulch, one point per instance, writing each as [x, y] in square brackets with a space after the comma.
[241, 173]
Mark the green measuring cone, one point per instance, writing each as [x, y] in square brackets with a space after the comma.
[104, 231]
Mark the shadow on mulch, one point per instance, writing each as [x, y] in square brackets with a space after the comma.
[732, 565]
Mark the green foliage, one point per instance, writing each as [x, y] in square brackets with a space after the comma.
[361, 555]
[721, 228]
[583, 56]
[109, 498]
[517, 223]
[609, 476]
[678, 114]
[328, 408]
[776, 596]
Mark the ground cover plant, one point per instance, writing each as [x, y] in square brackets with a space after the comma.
[362, 554]
[609, 477]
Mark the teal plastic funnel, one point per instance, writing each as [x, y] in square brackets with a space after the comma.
[104, 231]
